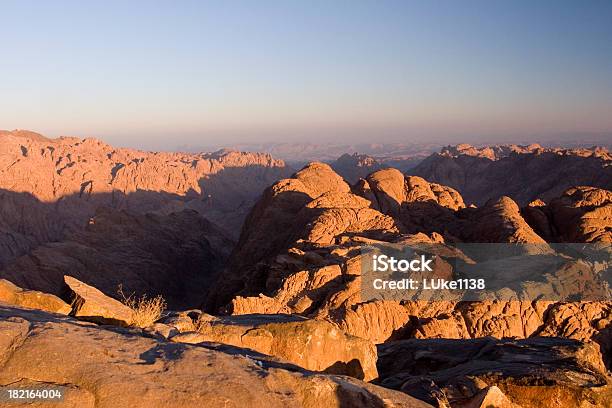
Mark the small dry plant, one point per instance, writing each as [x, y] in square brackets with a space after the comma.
[201, 324]
[145, 310]
[204, 323]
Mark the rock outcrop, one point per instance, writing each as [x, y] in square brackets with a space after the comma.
[531, 373]
[581, 214]
[497, 221]
[88, 303]
[312, 344]
[491, 397]
[311, 266]
[283, 214]
[97, 367]
[293, 216]
[14, 295]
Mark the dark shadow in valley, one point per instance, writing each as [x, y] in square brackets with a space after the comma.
[277, 217]
[103, 242]
[251, 320]
[604, 339]
[149, 242]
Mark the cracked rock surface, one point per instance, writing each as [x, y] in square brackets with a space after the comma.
[102, 366]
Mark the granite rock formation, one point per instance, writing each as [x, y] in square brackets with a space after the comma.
[49, 187]
[155, 223]
[32, 299]
[541, 371]
[311, 265]
[97, 366]
[312, 344]
[581, 214]
[292, 285]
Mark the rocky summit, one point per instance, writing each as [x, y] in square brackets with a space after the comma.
[226, 279]
[310, 265]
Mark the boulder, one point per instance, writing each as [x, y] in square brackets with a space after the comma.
[313, 344]
[14, 295]
[391, 184]
[92, 305]
[182, 321]
[320, 178]
[498, 220]
[161, 331]
[490, 397]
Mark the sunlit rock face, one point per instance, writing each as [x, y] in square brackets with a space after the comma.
[311, 265]
[51, 186]
[98, 367]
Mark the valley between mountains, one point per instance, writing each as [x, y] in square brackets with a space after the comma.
[259, 267]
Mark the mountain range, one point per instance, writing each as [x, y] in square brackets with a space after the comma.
[261, 269]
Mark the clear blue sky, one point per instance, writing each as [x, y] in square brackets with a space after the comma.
[160, 74]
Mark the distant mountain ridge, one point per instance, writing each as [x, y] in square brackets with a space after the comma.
[301, 153]
[119, 169]
[497, 152]
[50, 187]
[356, 166]
[523, 172]
[155, 222]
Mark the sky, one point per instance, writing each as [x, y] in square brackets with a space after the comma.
[159, 74]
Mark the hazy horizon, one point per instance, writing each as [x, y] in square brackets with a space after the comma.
[158, 76]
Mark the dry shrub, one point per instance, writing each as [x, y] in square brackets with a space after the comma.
[203, 323]
[145, 310]
[200, 324]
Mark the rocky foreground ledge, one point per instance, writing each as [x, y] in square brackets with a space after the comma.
[191, 359]
[509, 373]
[109, 366]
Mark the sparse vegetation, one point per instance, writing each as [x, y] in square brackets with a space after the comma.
[145, 310]
[202, 323]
